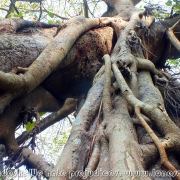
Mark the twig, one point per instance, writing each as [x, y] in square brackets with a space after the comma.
[3, 9]
[99, 113]
[13, 4]
[85, 8]
[40, 14]
[64, 18]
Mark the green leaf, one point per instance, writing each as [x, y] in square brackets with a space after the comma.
[177, 8]
[29, 126]
[13, 10]
[58, 21]
[50, 22]
[169, 3]
[25, 6]
[34, 6]
[9, 16]
[27, 11]
[42, 114]
[51, 14]
[20, 14]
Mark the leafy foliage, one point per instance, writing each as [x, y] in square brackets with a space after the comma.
[30, 126]
[55, 12]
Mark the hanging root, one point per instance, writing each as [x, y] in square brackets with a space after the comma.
[94, 154]
[152, 113]
[107, 105]
[164, 159]
[94, 159]
[172, 37]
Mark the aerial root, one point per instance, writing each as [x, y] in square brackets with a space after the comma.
[146, 64]
[94, 151]
[94, 159]
[173, 39]
[107, 105]
[27, 115]
[164, 159]
[147, 109]
[14, 158]
[5, 101]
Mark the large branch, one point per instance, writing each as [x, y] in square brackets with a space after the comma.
[37, 163]
[49, 59]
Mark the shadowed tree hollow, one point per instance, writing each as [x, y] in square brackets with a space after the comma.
[111, 71]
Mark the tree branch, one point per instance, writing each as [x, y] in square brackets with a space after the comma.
[36, 162]
[41, 11]
[13, 4]
[50, 58]
[172, 37]
[68, 107]
[63, 18]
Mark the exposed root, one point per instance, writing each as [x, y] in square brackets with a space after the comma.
[146, 64]
[164, 159]
[122, 48]
[147, 109]
[94, 159]
[92, 152]
[79, 134]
